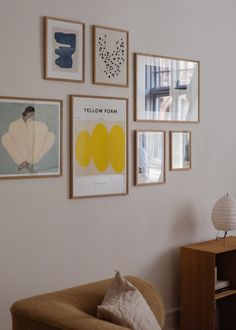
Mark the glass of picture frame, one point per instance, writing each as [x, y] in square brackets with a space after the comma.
[180, 150]
[30, 137]
[166, 89]
[110, 56]
[150, 157]
[64, 49]
[99, 152]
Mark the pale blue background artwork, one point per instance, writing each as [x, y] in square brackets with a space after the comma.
[49, 114]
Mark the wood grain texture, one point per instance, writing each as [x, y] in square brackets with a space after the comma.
[197, 290]
[197, 294]
[215, 246]
[224, 294]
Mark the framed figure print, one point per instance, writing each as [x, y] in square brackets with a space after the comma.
[150, 157]
[180, 150]
[166, 89]
[110, 56]
[30, 137]
[64, 49]
[98, 146]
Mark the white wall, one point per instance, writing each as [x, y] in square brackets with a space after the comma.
[48, 242]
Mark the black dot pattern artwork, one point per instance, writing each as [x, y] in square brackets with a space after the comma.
[113, 60]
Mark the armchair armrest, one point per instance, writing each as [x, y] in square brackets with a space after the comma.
[53, 315]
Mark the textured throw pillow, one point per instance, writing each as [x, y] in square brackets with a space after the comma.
[124, 305]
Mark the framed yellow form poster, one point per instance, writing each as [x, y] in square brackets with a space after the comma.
[98, 146]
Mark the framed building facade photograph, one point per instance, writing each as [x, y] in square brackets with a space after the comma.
[150, 157]
[30, 137]
[110, 56]
[99, 154]
[64, 49]
[180, 150]
[166, 89]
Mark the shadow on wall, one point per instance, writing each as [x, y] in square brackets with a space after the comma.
[182, 231]
[164, 271]
[184, 225]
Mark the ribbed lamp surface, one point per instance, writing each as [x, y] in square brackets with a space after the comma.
[224, 214]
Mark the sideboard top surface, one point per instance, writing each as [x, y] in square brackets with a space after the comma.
[215, 246]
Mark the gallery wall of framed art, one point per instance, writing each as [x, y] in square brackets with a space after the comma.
[166, 90]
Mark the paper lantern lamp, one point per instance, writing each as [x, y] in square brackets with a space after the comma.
[224, 214]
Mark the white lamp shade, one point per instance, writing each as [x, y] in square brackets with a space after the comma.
[224, 214]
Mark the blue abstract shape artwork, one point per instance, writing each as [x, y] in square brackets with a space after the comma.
[65, 53]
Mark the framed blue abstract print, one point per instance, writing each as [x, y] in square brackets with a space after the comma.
[64, 49]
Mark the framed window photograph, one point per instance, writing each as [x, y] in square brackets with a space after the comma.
[110, 56]
[166, 89]
[30, 137]
[64, 49]
[99, 152]
[150, 157]
[180, 150]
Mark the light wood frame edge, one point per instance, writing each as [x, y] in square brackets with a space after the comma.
[94, 49]
[190, 153]
[60, 129]
[71, 129]
[46, 77]
[136, 157]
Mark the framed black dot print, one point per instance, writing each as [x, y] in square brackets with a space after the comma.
[110, 56]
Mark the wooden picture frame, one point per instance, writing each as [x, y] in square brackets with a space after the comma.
[64, 49]
[110, 56]
[98, 146]
[30, 137]
[167, 89]
[180, 150]
[150, 157]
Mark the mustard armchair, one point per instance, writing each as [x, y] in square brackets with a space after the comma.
[75, 308]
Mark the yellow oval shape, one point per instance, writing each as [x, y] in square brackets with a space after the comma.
[117, 148]
[83, 148]
[100, 144]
